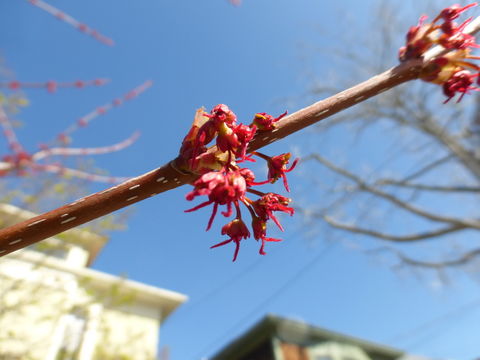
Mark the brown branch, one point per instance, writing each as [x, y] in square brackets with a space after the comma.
[394, 238]
[167, 177]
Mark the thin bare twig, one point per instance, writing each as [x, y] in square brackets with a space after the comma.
[463, 259]
[394, 238]
[439, 188]
[473, 223]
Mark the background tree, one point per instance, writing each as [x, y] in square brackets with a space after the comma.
[413, 199]
[37, 177]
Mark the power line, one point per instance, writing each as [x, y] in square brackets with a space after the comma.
[275, 294]
[449, 316]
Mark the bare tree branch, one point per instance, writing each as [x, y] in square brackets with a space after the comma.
[463, 259]
[390, 237]
[459, 188]
[427, 168]
[363, 186]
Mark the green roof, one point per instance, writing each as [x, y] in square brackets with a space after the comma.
[300, 333]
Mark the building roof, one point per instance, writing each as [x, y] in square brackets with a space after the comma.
[296, 332]
[165, 300]
[91, 242]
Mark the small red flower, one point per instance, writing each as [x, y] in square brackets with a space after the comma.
[99, 82]
[264, 121]
[270, 202]
[244, 134]
[259, 227]
[277, 168]
[51, 86]
[82, 27]
[222, 114]
[221, 189]
[451, 70]
[419, 40]
[460, 82]
[64, 138]
[227, 139]
[14, 85]
[460, 41]
[452, 12]
[236, 230]
[19, 162]
[248, 175]
[219, 123]
[453, 36]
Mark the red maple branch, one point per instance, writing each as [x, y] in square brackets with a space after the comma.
[60, 15]
[83, 121]
[52, 86]
[20, 162]
[168, 176]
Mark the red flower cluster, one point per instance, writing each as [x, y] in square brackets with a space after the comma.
[18, 161]
[224, 182]
[452, 71]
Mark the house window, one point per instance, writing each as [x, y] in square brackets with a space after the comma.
[332, 350]
[71, 339]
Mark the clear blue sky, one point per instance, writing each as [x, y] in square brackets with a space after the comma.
[254, 58]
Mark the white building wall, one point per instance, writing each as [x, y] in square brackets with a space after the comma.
[36, 300]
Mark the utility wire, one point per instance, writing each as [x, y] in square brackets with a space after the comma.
[449, 316]
[274, 295]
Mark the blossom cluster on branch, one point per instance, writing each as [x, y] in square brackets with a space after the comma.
[453, 71]
[51, 86]
[20, 162]
[225, 182]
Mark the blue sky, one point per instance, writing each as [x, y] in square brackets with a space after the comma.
[256, 58]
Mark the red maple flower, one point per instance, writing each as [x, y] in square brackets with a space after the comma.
[221, 189]
[14, 85]
[248, 175]
[222, 114]
[264, 121]
[460, 82]
[236, 230]
[419, 40]
[452, 12]
[244, 135]
[227, 139]
[277, 168]
[270, 202]
[453, 36]
[224, 182]
[259, 227]
[19, 162]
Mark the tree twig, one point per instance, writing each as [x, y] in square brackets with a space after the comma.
[439, 188]
[473, 223]
[463, 259]
[394, 238]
